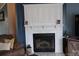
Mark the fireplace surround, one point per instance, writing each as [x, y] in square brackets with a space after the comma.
[45, 22]
[44, 42]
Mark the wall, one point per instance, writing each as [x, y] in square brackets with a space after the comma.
[4, 26]
[9, 25]
[20, 30]
[45, 15]
[70, 10]
[11, 10]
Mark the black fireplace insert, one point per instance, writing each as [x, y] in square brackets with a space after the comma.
[44, 42]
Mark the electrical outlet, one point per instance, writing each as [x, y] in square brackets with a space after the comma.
[58, 21]
[26, 22]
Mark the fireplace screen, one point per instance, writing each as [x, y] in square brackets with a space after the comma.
[44, 42]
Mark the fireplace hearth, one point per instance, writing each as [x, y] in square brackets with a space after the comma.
[44, 42]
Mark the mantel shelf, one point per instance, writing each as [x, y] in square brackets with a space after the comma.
[39, 26]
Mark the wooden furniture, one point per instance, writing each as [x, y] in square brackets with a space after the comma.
[71, 47]
[17, 50]
[65, 46]
[77, 25]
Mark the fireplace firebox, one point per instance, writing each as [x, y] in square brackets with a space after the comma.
[44, 42]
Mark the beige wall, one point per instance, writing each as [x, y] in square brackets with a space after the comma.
[11, 8]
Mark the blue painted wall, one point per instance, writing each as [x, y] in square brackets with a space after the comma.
[20, 31]
[70, 10]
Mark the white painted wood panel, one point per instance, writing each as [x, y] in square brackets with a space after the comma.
[41, 14]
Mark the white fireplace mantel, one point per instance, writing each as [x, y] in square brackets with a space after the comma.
[42, 18]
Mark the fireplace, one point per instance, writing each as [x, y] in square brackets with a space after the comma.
[44, 42]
